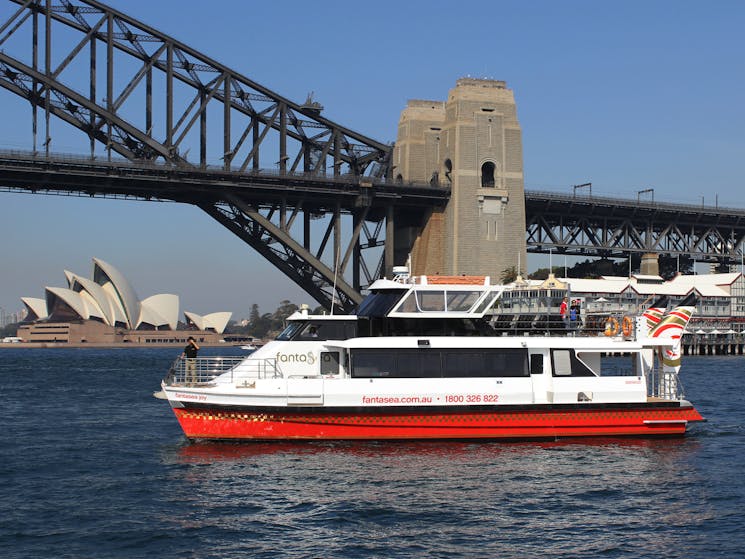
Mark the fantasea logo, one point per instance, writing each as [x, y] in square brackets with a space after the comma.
[308, 358]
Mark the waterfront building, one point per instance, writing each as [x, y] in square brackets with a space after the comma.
[720, 309]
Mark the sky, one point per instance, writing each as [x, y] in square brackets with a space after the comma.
[627, 95]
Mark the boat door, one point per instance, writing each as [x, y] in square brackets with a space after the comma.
[305, 391]
[540, 374]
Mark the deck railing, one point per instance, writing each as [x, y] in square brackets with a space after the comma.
[204, 370]
[664, 384]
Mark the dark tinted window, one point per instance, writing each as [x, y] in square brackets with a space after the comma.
[423, 363]
[379, 304]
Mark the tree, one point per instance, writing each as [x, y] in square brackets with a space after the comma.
[508, 275]
[9, 330]
[286, 308]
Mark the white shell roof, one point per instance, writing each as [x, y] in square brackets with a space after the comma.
[103, 271]
[99, 296]
[159, 310]
[216, 321]
[36, 306]
[68, 296]
[194, 318]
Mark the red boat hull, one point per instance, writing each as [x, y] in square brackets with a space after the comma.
[382, 424]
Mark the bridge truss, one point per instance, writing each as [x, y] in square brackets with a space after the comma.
[616, 228]
[147, 97]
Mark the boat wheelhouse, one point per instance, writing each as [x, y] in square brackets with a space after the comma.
[422, 358]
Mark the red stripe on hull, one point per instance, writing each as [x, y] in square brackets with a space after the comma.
[378, 425]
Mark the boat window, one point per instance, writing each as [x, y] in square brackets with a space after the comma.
[487, 302]
[462, 301]
[420, 363]
[318, 330]
[408, 304]
[566, 364]
[626, 365]
[329, 362]
[464, 364]
[536, 363]
[292, 329]
[431, 301]
[378, 304]
[372, 364]
[562, 363]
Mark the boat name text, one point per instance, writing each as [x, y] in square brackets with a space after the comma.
[184, 396]
[308, 358]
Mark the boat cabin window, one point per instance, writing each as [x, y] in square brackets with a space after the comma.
[329, 362]
[379, 304]
[436, 363]
[566, 364]
[612, 365]
[420, 301]
[292, 329]
[317, 330]
[462, 301]
[536, 363]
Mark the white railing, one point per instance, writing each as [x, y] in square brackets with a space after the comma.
[664, 384]
[204, 370]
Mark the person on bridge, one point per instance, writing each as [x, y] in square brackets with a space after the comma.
[190, 352]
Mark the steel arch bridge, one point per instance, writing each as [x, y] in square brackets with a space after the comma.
[150, 98]
[155, 113]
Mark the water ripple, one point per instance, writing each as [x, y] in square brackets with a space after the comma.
[93, 466]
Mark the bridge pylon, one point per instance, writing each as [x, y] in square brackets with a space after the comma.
[473, 143]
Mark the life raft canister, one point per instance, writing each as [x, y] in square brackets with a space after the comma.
[627, 326]
[611, 326]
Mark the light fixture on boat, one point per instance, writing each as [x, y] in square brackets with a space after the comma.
[423, 343]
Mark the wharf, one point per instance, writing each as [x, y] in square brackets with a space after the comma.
[713, 347]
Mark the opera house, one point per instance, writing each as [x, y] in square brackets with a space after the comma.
[106, 310]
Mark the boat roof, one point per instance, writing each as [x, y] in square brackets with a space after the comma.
[431, 297]
[579, 343]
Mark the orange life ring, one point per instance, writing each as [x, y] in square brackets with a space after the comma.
[627, 326]
[611, 327]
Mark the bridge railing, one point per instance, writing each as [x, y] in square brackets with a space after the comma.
[137, 166]
[611, 200]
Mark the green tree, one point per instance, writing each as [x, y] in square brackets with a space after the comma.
[253, 314]
[9, 330]
[508, 275]
[285, 309]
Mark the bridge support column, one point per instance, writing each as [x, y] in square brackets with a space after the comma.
[473, 143]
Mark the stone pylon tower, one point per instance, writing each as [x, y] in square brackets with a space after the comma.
[473, 143]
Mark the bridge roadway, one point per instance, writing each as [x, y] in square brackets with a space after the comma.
[555, 222]
[121, 178]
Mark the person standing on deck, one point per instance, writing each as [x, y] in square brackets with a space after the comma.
[190, 352]
[564, 313]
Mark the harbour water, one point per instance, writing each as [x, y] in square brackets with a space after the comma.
[92, 466]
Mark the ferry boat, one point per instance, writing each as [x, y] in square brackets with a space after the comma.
[425, 358]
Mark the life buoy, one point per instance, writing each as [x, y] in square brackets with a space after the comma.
[627, 325]
[611, 326]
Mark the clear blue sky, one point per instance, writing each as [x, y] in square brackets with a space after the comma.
[628, 95]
